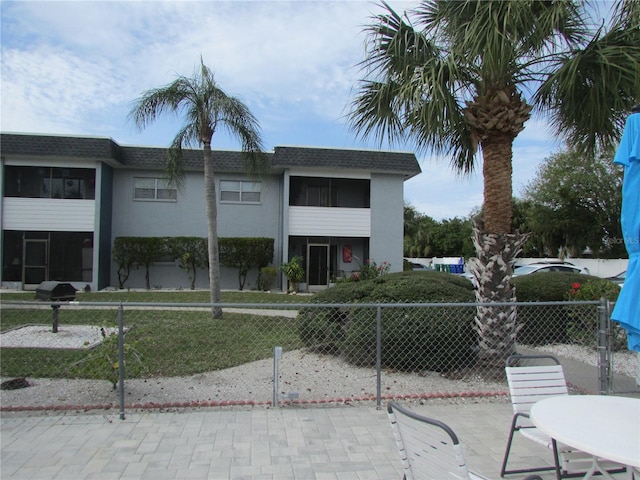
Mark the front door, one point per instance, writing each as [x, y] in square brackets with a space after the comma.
[318, 265]
[36, 262]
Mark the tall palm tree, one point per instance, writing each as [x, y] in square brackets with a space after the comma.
[466, 76]
[206, 108]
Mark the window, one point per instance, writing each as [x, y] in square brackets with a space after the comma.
[48, 182]
[154, 189]
[329, 192]
[232, 191]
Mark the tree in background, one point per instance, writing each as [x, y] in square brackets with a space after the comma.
[416, 231]
[454, 80]
[575, 202]
[533, 247]
[206, 108]
[426, 237]
[412, 219]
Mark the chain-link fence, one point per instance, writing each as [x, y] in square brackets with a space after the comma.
[177, 355]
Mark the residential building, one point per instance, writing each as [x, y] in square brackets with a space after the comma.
[66, 198]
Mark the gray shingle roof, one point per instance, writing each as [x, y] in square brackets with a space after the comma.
[155, 158]
[58, 146]
[370, 160]
[225, 161]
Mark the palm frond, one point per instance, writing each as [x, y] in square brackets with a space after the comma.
[174, 165]
[411, 86]
[626, 15]
[157, 101]
[205, 107]
[376, 111]
[589, 92]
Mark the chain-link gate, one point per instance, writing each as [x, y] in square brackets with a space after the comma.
[620, 368]
[176, 355]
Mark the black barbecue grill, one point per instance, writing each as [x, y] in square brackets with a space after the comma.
[55, 292]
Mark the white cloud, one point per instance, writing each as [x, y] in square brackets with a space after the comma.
[98, 56]
[440, 192]
[75, 67]
[54, 90]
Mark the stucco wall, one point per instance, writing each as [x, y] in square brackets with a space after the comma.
[187, 217]
[387, 220]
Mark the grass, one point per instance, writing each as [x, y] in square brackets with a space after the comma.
[167, 342]
[171, 296]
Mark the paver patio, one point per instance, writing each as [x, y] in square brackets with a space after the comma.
[340, 442]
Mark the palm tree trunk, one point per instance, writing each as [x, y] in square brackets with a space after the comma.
[497, 152]
[212, 220]
[497, 249]
[492, 269]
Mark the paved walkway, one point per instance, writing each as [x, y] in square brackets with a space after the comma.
[337, 443]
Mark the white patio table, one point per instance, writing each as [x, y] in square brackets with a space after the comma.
[607, 427]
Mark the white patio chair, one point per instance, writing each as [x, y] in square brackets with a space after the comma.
[532, 378]
[428, 448]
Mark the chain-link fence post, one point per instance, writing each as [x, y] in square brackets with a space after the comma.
[604, 353]
[121, 359]
[379, 356]
[277, 356]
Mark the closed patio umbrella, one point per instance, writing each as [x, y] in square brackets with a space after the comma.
[627, 308]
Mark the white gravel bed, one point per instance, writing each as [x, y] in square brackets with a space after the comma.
[313, 377]
[624, 362]
[42, 336]
[316, 378]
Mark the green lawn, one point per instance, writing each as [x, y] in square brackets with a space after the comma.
[171, 296]
[167, 342]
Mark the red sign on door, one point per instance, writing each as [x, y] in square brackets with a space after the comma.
[346, 254]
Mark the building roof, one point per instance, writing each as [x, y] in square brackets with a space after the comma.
[29, 145]
[371, 160]
[155, 158]
[106, 149]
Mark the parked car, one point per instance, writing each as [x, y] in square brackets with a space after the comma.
[467, 275]
[546, 266]
[619, 278]
[418, 266]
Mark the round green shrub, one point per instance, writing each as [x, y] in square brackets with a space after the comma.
[551, 323]
[583, 321]
[547, 286]
[266, 278]
[405, 287]
[436, 339]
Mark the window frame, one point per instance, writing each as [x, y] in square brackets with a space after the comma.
[240, 191]
[159, 184]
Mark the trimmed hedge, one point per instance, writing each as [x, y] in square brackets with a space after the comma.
[245, 254]
[551, 324]
[436, 339]
[192, 253]
[548, 286]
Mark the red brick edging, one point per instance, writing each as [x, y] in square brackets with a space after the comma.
[237, 403]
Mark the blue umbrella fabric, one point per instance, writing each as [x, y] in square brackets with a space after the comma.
[627, 308]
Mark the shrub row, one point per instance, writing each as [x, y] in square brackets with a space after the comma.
[191, 253]
[442, 339]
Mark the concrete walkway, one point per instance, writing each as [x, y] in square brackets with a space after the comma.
[337, 443]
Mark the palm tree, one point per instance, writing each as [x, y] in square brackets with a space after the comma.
[206, 108]
[457, 82]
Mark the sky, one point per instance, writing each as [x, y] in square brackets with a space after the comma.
[76, 67]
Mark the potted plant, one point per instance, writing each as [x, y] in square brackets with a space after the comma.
[294, 272]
